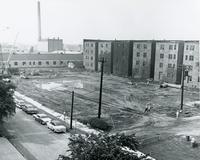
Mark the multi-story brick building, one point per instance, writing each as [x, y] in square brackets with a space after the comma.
[90, 54]
[143, 59]
[122, 57]
[191, 60]
[168, 58]
[104, 50]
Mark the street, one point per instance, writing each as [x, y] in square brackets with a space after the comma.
[33, 140]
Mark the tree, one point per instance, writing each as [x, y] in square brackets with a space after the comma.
[102, 147]
[7, 104]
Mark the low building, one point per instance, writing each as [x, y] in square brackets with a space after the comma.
[23, 61]
[191, 60]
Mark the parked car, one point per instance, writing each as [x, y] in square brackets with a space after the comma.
[6, 80]
[42, 118]
[29, 109]
[56, 126]
[163, 85]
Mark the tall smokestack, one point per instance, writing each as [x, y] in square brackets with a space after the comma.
[39, 23]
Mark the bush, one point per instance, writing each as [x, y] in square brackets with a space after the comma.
[99, 124]
[101, 147]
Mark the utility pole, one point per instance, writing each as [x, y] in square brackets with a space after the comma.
[71, 118]
[182, 86]
[101, 85]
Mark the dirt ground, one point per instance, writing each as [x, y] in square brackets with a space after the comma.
[123, 103]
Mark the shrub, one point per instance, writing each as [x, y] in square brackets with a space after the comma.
[100, 147]
[99, 124]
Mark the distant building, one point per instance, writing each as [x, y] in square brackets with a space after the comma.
[28, 61]
[122, 57]
[168, 58]
[49, 45]
[143, 56]
[192, 61]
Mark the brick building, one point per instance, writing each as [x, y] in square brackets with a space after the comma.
[122, 52]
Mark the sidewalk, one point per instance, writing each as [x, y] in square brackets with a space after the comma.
[8, 151]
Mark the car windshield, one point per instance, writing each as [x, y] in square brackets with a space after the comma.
[57, 123]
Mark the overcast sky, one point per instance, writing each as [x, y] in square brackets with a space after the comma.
[74, 20]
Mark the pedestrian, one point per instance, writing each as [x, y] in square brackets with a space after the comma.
[177, 114]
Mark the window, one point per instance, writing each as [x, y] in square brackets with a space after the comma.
[54, 62]
[137, 62]
[162, 47]
[197, 64]
[23, 63]
[145, 46]
[169, 65]
[101, 51]
[168, 74]
[39, 63]
[160, 75]
[191, 58]
[190, 78]
[161, 65]
[144, 54]
[137, 70]
[173, 65]
[192, 47]
[15, 63]
[29, 63]
[106, 45]
[161, 55]
[101, 45]
[170, 56]
[91, 64]
[61, 62]
[138, 46]
[91, 57]
[187, 47]
[33, 62]
[198, 79]
[91, 45]
[175, 47]
[186, 57]
[170, 47]
[174, 56]
[91, 51]
[138, 54]
[144, 63]
[47, 62]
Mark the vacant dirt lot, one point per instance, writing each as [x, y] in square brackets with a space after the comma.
[123, 103]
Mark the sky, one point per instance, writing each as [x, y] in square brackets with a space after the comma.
[75, 20]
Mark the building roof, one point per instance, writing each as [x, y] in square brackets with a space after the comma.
[37, 57]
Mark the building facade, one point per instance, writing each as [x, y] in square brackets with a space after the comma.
[143, 54]
[168, 55]
[122, 57]
[104, 51]
[27, 61]
[191, 60]
[90, 54]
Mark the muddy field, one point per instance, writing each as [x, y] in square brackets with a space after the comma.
[123, 103]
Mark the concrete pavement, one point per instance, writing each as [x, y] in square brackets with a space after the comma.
[8, 151]
[33, 140]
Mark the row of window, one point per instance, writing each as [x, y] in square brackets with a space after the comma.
[190, 58]
[171, 47]
[138, 63]
[88, 44]
[144, 54]
[190, 47]
[170, 56]
[87, 57]
[91, 45]
[170, 65]
[38, 63]
[139, 46]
